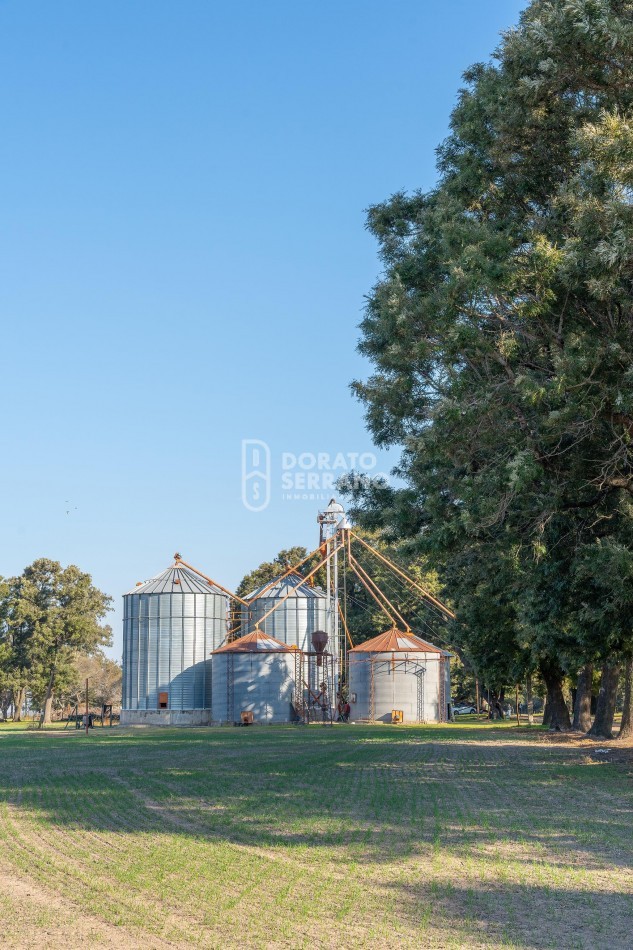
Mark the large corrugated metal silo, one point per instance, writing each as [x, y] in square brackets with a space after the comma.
[296, 616]
[171, 624]
[399, 671]
[254, 674]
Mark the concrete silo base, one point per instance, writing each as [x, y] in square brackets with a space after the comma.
[166, 717]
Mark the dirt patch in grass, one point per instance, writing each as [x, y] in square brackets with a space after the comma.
[596, 749]
[35, 915]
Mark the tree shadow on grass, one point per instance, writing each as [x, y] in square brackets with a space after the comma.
[384, 795]
[408, 807]
[528, 915]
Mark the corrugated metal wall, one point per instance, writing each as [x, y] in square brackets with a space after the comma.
[293, 622]
[411, 684]
[262, 683]
[167, 639]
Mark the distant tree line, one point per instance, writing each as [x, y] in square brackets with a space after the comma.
[501, 335]
[51, 635]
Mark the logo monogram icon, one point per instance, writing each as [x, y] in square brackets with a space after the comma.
[255, 474]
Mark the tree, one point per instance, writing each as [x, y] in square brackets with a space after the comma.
[15, 659]
[105, 679]
[603, 589]
[626, 726]
[582, 703]
[53, 613]
[605, 708]
[502, 337]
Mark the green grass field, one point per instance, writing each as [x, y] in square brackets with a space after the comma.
[468, 835]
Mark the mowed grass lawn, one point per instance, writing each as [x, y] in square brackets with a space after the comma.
[466, 835]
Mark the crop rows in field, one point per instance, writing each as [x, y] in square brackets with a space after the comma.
[430, 836]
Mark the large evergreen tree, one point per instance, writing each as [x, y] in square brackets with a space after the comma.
[502, 338]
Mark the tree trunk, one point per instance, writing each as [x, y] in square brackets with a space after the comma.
[626, 726]
[496, 705]
[547, 712]
[556, 709]
[48, 702]
[528, 698]
[582, 706]
[19, 695]
[605, 710]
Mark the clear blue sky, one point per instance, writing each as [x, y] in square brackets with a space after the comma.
[183, 258]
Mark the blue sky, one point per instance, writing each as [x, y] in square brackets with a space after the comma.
[183, 260]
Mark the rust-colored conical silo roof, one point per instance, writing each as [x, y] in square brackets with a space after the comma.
[255, 642]
[396, 641]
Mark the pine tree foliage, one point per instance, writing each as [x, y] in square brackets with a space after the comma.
[501, 333]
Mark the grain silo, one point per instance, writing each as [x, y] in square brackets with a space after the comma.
[288, 608]
[171, 624]
[400, 672]
[254, 675]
